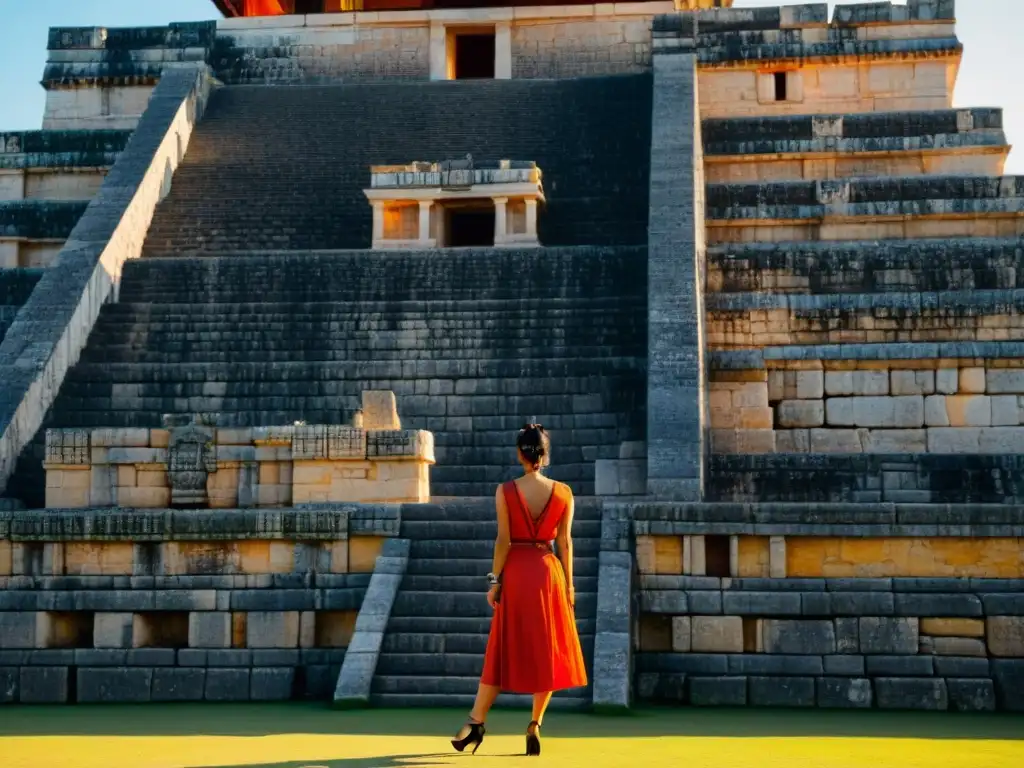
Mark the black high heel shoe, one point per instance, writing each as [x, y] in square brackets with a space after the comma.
[474, 737]
[533, 738]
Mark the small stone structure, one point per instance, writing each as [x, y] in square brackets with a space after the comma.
[410, 201]
[191, 464]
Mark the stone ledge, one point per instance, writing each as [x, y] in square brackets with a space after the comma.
[314, 522]
[40, 219]
[757, 359]
[868, 127]
[902, 302]
[821, 519]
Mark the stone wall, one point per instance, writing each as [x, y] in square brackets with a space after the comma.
[581, 47]
[228, 605]
[315, 54]
[771, 605]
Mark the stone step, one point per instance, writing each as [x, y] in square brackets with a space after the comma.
[410, 604]
[322, 351]
[475, 584]
[560, 701]
[456, 565]
[445, 684]
[447, 625]
[481, 368]
[481, 510]
[475, 530]
[422, 665]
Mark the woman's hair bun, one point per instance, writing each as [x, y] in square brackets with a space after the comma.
[535, 445]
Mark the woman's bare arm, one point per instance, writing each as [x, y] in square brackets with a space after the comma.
[503, 543]
[564, 540]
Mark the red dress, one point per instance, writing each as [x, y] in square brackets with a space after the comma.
[533, 646]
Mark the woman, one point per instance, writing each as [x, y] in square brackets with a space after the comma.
[533, 645]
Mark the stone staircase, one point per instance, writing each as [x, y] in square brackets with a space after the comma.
[473, 343]
[434, 645]
[274, 167]
[244, 308]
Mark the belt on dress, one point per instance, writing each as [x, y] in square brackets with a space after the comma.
[532, 543]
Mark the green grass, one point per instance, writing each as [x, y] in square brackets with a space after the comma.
[300, 735]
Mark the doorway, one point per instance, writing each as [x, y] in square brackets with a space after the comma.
[469, 226]
[474, 56]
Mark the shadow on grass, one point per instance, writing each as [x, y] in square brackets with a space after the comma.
[313, 718]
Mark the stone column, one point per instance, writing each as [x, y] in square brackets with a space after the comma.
[503, 51]
[424, 231]
[500, 219]
[438, 53]
[677, 411]
[378, 223]
[531, 219]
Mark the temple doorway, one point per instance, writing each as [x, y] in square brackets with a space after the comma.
[468, 226]
[474, 55]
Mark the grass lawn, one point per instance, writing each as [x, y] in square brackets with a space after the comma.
[309, 735]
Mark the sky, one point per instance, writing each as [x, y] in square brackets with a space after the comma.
[989, 30]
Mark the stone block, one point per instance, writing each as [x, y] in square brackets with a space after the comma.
[961, 666]
[151, 657]
[935, 414]
[178, 684]
[888, 635]
[801, 413]
[912, 382]
[911, 693]
[969, 410]
[22, 629]
[112, 630]
[971, 695]
[1005, 636]
[272, 629]
[953, 627]
[1005, 411]
[761, 603]
[958, 646]
[847, 635]
[857, 383]
[899, 666]
[972, 381]
[43, 685]
[718, 691]
[947, 381]
[1001, 381]
[227, 685]
[681, 634]
[810, 385]
[271, 684]
[716, 634]
[1009, 680]
[781, 691]
[844, 693]
[209, 629]
[9, 685]
[661, 687]
[816, 637]
[380, 411]
[114, 684]
[844, 666]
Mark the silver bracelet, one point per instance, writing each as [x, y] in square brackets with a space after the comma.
[493, 580]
